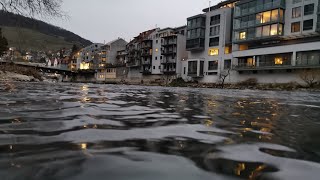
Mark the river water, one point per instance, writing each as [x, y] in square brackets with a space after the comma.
[97, 132]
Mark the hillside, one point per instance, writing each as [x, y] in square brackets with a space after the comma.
[28, 39]
[26, 33]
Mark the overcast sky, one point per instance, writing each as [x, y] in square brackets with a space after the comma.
[105, 20]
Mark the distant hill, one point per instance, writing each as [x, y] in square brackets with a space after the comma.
[31, 34]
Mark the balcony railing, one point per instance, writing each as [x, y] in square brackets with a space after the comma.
[146, 71]
[146, 54]
[169, 52]
[168, 70]
[166, 43]
[264, 65]
[147, 62]
[168, 61]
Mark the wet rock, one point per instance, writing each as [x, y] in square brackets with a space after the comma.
[19, 77]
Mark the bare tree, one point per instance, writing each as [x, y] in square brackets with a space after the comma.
[32, 8]
[310, 77]
[222, 77]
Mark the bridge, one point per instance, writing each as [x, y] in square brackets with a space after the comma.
[41, 67]
[83, 76]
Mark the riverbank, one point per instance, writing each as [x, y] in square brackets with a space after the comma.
[9, 73]
[16, 73]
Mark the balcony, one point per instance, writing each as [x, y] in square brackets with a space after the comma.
[262, 66]
[146, 54]
[147, 62]
[169, 43]
[168, 70]
[195, 44]
[168, 60]
[167, 52]
[133, 63]
[256, 7]
[146, 70]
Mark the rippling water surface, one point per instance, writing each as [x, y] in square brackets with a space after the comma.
[85, 131]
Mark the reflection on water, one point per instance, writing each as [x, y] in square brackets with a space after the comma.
[85, 131]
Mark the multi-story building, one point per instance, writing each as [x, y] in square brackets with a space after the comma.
[271, 40]
[209, 42]
[274, 39]
[136, 56]
[173, 51]
[108, 59]
[89, 58]
[160, 51]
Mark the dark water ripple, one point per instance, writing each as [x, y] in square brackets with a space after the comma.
[85, 131]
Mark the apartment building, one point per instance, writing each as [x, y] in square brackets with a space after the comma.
[167, 51]
[173, 51]
[108, 54]
[135, 50]
[89, 58]
[156, 53]
[209, 43]
[271, 40]
[275, 39]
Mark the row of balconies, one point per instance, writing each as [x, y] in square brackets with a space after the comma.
[259, 7]
[272, 65]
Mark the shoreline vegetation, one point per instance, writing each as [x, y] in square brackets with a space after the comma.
[12, 73]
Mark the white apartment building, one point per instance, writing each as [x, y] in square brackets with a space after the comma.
[157, 52]
[270, 40]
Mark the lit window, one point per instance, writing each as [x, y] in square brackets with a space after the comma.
[274, 29]
[157, 50]
[295, 27]
[243, 35]
[227, 49]
[243, 47]
[84, 66]
[278, 61]
[213, 52]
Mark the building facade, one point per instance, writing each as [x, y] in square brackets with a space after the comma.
[156, 53]
[270, 40]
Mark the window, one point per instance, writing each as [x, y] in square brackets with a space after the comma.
[154, 67]
[266, 30]
[274, 15]
[184, 70]
[274, 30]
[243, 47]
[214, 41]
[157, 49]
[213, 52]
[308, 25]
[160, 57]
[243, 35]
[159, 67]
[227, 64]
[228, 49]
[258, 32]
[251, 33]
[156, 58]
[278, 60]
[263, 17]
[192, 67]
[213, 65]
[214, 30]
[296, 12]
[215, 20]
[295, 27]
[156, 41]
[308, 9]
[280, 30]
